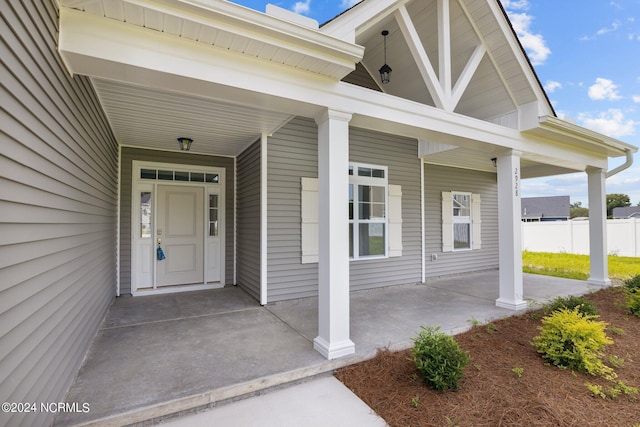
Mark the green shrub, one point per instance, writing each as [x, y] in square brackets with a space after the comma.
[439, 359]
[633, 302]
[633, 283]
[569, 303]
[570, 339]
[632, 295]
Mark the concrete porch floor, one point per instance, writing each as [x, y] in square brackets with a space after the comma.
[160, 355]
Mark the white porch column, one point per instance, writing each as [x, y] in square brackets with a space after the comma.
[510, 232]
[598, 228]
[333, 258]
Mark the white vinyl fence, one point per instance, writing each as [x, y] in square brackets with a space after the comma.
[623, 237]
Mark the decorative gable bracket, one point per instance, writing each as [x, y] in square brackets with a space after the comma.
[444, 94]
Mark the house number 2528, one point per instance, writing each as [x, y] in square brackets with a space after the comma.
[516, 181]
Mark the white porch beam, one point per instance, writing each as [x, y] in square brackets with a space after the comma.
[333, 258]
[510, 232]
[444, 50]
[420, 57]
[466, 75]
[599, 263]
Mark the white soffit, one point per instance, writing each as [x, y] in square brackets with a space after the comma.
[232, 27]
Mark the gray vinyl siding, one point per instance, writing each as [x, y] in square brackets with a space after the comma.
[248, 221]
[292, 154]
[130, 154]
[400, 155]
[438, 179]
[58, 210]
[361, 77]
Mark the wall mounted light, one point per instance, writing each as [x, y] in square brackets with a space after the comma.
[185, 143]
[385, 70]
[494, 162]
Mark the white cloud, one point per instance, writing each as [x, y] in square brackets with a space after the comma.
[603, 89]
[515, 4]
[614, 26]
[636, 98]
[611, 122]
[551, 85]
[626, 182]
[534, 44]
[346, 4]
[302, 7]
[573, 185]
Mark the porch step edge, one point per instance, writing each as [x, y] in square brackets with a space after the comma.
[176, 408]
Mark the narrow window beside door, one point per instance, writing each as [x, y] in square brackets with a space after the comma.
[213, 215]
[145, 214]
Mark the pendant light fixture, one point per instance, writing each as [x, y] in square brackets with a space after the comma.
[385, 70]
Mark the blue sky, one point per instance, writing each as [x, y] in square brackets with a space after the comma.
[587, 56]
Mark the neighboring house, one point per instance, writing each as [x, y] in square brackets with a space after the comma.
[552, 208]
[626, 212]
[290, 125]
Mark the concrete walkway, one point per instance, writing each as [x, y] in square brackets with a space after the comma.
[156, 356]
[319, 402]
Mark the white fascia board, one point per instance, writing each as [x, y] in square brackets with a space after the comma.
[249, 22]
[262, 28]
[563, 128]
[149, 58]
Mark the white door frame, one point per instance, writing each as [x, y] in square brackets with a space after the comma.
[143, 249]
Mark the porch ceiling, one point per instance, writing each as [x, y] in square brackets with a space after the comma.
[466, 158]
[152, 118]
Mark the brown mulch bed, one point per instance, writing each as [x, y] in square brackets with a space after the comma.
[491, 394]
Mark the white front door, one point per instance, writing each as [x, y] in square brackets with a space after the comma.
[180, 233]
[178, 210]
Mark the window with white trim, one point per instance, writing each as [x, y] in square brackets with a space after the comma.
[368, 222]
[461, 205]
[461, 221]
[375, 215]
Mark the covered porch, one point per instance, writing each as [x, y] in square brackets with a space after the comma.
[160, 355]
[231, 78]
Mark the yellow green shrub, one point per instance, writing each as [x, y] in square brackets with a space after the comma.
[572, 340]
[632, 287]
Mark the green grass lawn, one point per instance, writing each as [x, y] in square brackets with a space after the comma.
[576, 266]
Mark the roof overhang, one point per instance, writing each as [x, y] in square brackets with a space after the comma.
[227, 26]
[557, 129]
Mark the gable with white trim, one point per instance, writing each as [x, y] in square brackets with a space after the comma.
[450, 54]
